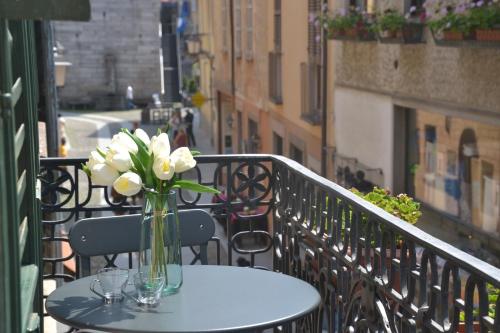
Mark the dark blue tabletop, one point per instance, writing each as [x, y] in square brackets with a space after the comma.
[211, 299]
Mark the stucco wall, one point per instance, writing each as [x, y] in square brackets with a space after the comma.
[468, 78]
[125, 29]
[364, 129]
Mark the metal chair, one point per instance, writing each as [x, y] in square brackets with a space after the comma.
[103, 236]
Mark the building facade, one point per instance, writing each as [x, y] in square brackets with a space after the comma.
[425, 120]
[119, 46]
[268, 78]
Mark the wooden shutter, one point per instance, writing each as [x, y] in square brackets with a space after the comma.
[20, 280]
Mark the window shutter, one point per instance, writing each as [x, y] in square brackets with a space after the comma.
[224, 21]
[249, 37]
[237, 30]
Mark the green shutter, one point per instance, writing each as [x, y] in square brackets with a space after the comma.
[20, 280]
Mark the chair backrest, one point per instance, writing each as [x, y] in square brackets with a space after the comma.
[113, 235]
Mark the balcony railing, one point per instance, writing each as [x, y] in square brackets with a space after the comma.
[275, 78]
[375, 272]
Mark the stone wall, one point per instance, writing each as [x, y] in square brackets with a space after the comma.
[459, 77]
[117, 48]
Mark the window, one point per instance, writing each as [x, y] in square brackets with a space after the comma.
[249, 44]
[253, 137]
[240, 132]
[458, 174]
[224, 21]
[363, 5]
[430, 148]
[277, 144]
[417, 4]
[414, 8]
[277, 25]
[311, 92]
[314, 29]
[296, 154]
[237, 28]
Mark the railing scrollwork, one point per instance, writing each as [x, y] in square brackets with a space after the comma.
[375, 272]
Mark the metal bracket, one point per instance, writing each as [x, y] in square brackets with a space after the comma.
[6, 105]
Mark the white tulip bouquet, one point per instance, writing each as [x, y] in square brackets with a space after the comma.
[133, 162]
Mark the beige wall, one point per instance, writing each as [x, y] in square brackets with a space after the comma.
[252, 79]
[205, 13]
[365, 130]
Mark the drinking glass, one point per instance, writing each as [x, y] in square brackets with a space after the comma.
[112, 281]
[149, 288]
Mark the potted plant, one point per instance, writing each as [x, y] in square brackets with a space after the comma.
[350, 24]
[486, 21]
[394, 27]
[452, 27]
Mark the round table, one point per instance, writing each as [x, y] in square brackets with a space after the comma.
[211, 299]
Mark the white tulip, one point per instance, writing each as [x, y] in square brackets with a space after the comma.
[128, 184]
[103, 175]
[143, 136]
[94, 158]
[118, 158]
[123, 140]
[163, 167]
[160, 145]
[183, 159]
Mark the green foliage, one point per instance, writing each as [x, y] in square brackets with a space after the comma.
[390, 20]
[402, 205]
[467, 20]
[344, 22]
[190, 85]
[452, 22]
[492, 300]
[485, 17]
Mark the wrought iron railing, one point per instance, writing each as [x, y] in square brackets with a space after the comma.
[375, 272]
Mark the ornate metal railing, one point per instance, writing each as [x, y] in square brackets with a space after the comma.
[375, 272]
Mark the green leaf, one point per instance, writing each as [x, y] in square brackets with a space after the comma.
[138, 165]
[143, 150]
[101, 152]
[195, 152]
[86, 169]
[192, 186]
[150, 182]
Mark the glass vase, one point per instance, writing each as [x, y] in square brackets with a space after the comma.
[160, 251]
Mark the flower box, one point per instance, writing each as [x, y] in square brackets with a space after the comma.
[453, 35]
[410, 33]
[353, 34]
[488, 35]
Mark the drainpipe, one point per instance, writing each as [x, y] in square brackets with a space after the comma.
[233, 83]
[324, 101]
[48, 88]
